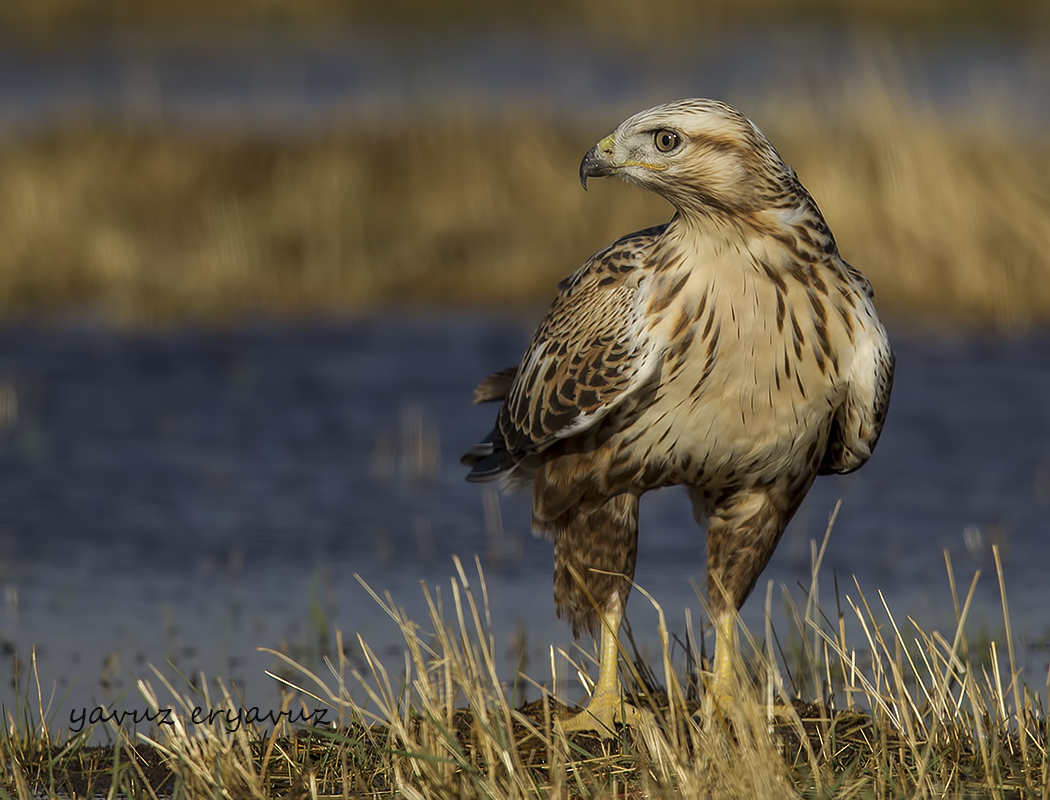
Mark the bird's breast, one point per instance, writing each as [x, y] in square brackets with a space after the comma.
[750, 380]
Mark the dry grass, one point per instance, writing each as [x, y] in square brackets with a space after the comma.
[947, 216]
[918, 717]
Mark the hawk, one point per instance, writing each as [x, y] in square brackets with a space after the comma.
[731, 350]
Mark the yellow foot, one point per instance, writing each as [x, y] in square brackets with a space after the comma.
[720, 690]
[718, 703]
[602, 713]
[722, 700]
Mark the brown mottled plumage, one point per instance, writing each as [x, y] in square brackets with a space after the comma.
[731, 350]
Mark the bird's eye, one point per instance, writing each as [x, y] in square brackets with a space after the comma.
[666, 141]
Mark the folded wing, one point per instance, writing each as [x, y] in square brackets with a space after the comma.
[592, 351]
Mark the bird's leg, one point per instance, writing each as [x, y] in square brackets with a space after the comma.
[743, 533]
[721, 688]
[606, 705]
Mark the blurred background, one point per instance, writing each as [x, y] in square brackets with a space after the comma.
[255, 256]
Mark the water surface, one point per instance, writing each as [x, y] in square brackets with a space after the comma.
[190, 496]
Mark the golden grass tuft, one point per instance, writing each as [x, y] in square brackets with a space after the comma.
[918, 716]
[946, 214]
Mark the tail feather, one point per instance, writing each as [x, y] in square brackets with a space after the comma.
[496, 386]
[489, 459]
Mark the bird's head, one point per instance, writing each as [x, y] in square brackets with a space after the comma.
[703, 156]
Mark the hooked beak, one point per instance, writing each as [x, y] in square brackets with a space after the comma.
[598, 162]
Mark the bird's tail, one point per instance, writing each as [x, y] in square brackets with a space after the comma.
[489, 459]
[496, 386]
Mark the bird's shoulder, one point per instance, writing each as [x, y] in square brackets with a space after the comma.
[858, 280]
[591, 350]
[620, 259]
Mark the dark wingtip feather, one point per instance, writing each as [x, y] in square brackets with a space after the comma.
[488, 459]
[485, 463]
[485, 472]
[477, 453]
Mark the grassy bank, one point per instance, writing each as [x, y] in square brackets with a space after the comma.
[919, 714]
[947, 216]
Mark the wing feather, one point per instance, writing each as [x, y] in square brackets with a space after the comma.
[591, 351]
[857, 425]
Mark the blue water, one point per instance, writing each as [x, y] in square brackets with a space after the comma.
[266, 82]
[190, 496]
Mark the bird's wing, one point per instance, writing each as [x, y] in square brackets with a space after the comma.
[857, 424]
[860, 279]
[591, 351]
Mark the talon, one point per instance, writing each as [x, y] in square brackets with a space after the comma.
[601, 714]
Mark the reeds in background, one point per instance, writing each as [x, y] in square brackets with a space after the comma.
[946, 214]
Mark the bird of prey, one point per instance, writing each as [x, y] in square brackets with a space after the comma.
[731, 350]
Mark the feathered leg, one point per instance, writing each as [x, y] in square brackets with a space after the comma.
[741, 538]
[595, 549]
